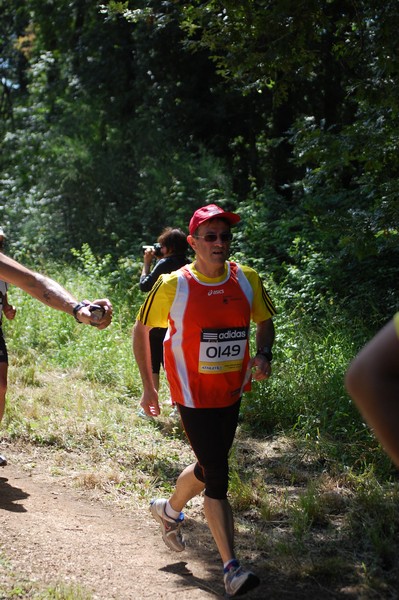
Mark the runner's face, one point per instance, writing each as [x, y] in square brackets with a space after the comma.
[211, 255]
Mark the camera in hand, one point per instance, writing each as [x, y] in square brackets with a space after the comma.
[155, 248]
[97, 312]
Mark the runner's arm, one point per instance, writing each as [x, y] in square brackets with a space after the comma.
[50, 292]
[142, 354]
[264, 343]
[372, 380]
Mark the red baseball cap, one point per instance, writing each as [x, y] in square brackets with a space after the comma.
[211, 211]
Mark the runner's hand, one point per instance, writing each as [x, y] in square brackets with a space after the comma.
[149, 403]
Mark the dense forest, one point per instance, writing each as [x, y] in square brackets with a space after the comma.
[120, 118]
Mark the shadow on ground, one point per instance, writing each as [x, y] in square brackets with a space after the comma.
[9, 495]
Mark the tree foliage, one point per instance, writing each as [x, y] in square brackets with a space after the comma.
[117, 121]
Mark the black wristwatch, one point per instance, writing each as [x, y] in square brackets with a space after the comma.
[265, 351]
[77, 307]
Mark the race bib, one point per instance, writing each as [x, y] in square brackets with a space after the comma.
[222, 350]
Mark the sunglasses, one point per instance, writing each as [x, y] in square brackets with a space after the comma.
[212, 237]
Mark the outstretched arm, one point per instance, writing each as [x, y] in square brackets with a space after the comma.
[372, 380]
[50, 292]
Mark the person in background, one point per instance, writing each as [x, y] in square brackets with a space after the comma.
[372, 380]
[171, 251]
[97, 313]
[9, 311]
[208, 307]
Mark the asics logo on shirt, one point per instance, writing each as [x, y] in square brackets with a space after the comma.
[214, 292]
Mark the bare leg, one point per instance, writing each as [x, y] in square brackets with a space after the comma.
[155, 379]
[219, 515]
[187, 486]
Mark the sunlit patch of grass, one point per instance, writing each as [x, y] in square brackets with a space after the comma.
[241, 493]
[90, 432]
[25, 375]
[306, 502]
[273, 507]
[334, 497]
[14, 585]
[61, 591]
[373, 519]
[306, 512]
[99, 480]
[266, 508]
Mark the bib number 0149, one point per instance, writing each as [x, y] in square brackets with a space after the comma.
[222, 351]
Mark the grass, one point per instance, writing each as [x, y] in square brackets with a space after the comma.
[14, 585]
[18, 586]
[315, 498]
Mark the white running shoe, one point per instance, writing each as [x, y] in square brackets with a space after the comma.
[170, 528]
[238, 581]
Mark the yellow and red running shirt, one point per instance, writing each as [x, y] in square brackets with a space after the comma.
[208, 320]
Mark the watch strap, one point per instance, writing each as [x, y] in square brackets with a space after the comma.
[77, 308]
[265, 351]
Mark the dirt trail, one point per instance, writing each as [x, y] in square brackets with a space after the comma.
[52, 533]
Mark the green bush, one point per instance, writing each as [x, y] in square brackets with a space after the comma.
[305, 394]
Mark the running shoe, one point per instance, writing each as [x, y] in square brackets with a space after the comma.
[238, 581]
[3, 461]
[170, 528]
